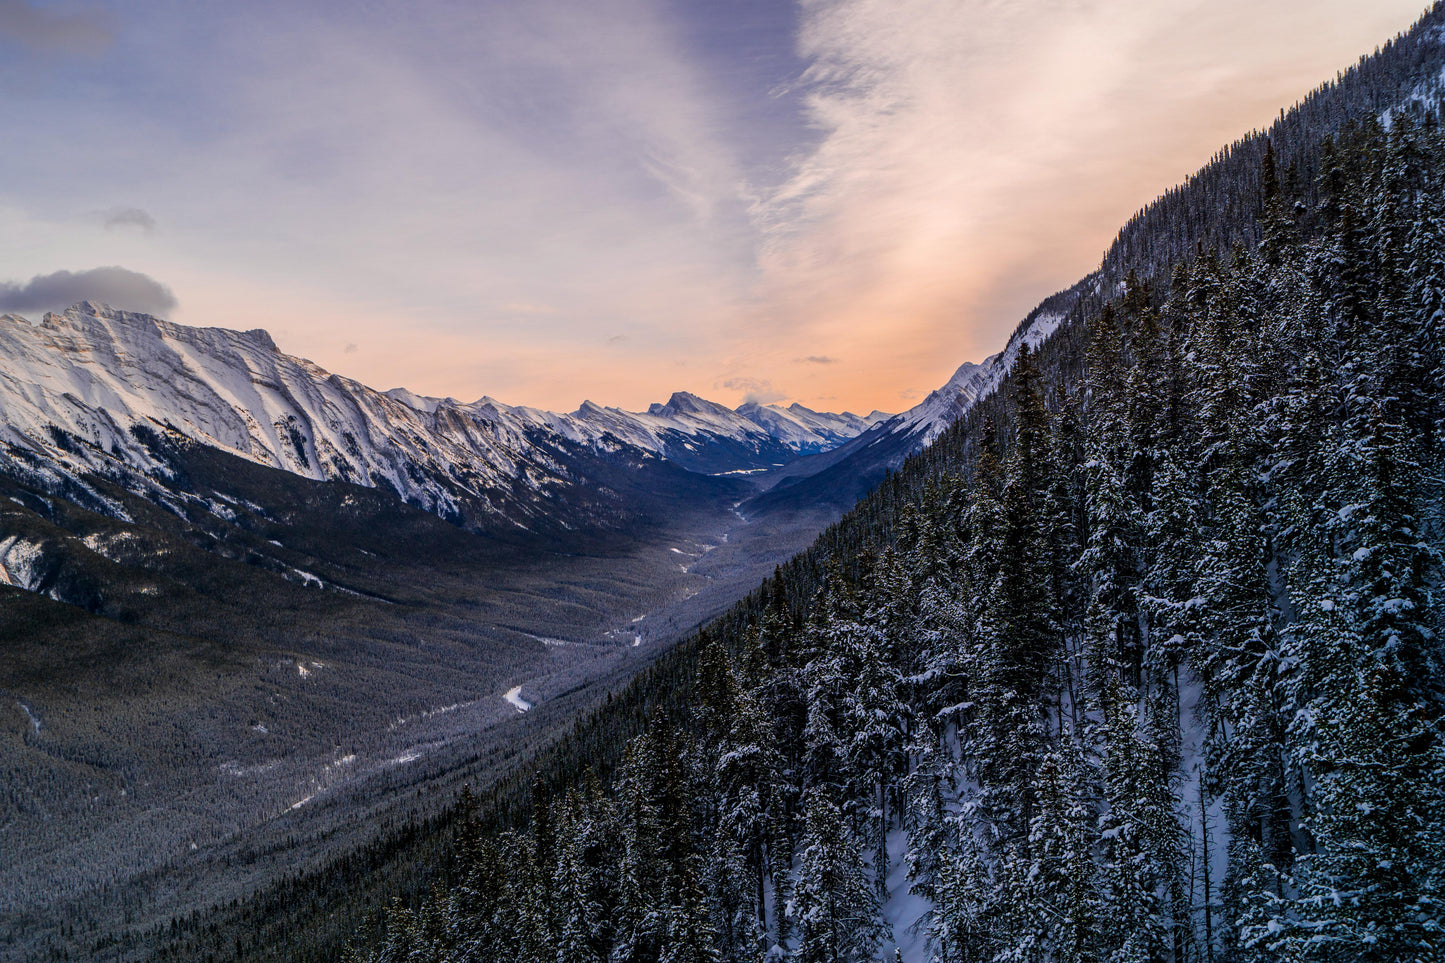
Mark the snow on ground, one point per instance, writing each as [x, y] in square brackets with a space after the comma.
[106, 545]
[903, 911]
[307, 578]
[551, 643]
[19, 562]
[29, 715]
[514, 696]
[1212, 820]
[236, 770]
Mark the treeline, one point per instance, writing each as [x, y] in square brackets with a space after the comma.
[1141, 664]
[1221, 204]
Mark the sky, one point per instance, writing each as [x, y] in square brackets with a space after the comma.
[834, 202]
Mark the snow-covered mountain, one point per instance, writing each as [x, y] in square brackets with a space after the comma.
[971, 382]
[91, 392]
[697, 434]
[845, 473]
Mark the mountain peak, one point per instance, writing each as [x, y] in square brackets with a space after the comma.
[95, 309]
[419, 402]
[687, 403]
[81, 313]
[968, 371]
[262, 337]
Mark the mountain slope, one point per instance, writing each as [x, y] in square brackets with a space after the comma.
[1216, 208]
[1140, 660]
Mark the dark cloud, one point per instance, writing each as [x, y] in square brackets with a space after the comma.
[756, 391]
[124, 217]
[349, 349]
[820, 359]
[41, 29]
[128, 290]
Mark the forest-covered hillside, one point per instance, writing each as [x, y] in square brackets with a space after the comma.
[1139, 662]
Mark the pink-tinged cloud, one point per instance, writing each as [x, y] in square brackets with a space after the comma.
[977, 156]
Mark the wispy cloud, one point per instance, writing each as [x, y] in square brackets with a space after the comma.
[118, 218]
[116, 286]
[485, 195]
[975, 156]
[758, 391]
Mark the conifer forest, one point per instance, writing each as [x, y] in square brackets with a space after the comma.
[1139, 662]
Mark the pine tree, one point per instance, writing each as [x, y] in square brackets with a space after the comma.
[834, 905]
[1139, 837]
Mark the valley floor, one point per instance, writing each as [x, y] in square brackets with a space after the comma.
[129, 806]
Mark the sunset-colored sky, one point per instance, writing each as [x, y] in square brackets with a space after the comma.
[833, 201]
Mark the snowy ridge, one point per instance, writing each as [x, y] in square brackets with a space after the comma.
[845, 473]
[74, 386]
[970, 383]
[87, 390]
[684, 419]
[806, 430]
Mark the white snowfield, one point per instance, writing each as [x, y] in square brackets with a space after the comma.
[94, 373]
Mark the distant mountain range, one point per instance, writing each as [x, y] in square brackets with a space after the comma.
[844, 474]
[98, 393]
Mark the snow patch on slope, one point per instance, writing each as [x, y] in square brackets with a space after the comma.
[20, 563]
[514, 696]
